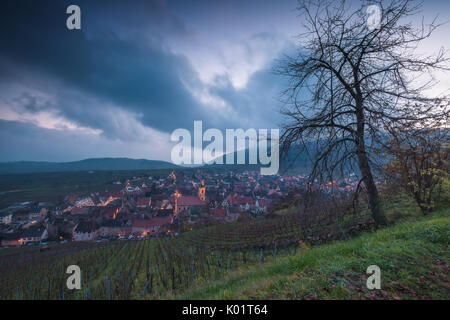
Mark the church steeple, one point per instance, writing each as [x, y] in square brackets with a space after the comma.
[202, 191]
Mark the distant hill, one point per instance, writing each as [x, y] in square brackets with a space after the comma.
[293, 161]
[296, 161]
[94, 164]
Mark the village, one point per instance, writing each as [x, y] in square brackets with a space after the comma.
[153, 206]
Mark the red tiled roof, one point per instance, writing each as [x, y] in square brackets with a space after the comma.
[143, 202]
[80, 210]
[87, 227]
[146, 189]
[220, 213]
[272, 191]
[160, 221]
[243, 200]
[190, 201]
[107, 194]
[109, 212]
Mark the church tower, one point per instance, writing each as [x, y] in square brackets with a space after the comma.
[202, 191]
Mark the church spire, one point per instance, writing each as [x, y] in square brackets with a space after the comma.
[202, 191]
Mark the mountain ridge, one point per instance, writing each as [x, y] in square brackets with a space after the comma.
[89, 164]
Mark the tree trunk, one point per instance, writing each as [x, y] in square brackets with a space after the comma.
[366, 172]
[372, 191]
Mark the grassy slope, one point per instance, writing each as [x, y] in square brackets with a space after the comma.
[413, 257]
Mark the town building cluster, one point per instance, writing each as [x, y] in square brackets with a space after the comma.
[151, 206]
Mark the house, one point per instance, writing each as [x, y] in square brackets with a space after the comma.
[219, 213]
[167, 203]
[226, 214]
[34, 235]
[227, 202]
[5, 217]
[243, 203]
[85, 202]
[38, 211]
[31, 223]
[111, 227]
[144, 202]
[273, 192]
[80, 211]
[135, 189]
[22, 214]
[71, 198]
[152, 226]
[163, 212]
[261, 206]
[60, 228]
[109, 212]
[10, 239]
[107, 197]
[86, 230]
[186, 203]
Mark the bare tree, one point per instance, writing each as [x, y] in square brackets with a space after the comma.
[350, 81]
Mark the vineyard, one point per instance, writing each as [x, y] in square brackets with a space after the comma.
[149, 269]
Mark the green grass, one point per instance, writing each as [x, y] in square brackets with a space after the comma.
[400, 207]
[412, 255]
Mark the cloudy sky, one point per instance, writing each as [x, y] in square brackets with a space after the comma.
[137, 70]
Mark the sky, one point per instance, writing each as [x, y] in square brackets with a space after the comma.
[137, 70]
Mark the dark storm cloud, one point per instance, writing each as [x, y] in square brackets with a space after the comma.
[134, 73]
[118, 57]
[119, 66]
